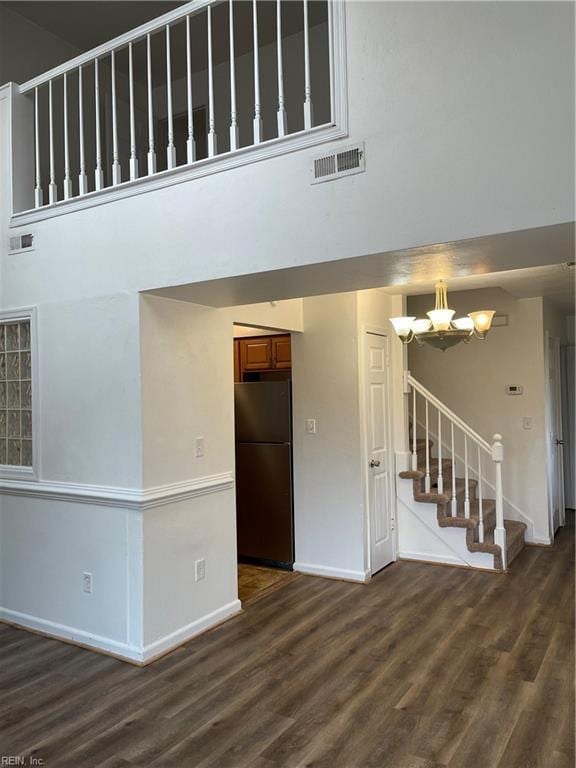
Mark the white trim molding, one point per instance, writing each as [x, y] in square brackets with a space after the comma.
[178, 637]
[328, 572]
[125, 498]
[124, 651]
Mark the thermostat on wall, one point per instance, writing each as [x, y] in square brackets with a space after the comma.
[515, 389]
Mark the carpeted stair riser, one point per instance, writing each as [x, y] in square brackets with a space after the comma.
[514, 530]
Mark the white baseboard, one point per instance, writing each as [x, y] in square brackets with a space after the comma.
[180, 636]
[113, 647]
[71, 634]
[428, 557]
[332, 573]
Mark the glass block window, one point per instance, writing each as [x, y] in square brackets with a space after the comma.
[15, 394]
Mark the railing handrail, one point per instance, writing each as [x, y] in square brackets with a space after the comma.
[118, 43]
[449, 414]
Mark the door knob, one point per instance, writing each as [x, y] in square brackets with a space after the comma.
[374, 463]
[559, 442]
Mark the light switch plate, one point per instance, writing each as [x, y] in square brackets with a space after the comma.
[527, 422]
[311, 426]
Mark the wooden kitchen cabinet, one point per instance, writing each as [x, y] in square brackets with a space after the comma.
[281, 352]
[262, 353]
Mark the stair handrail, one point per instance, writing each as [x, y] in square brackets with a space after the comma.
[411, 381]
[495, 451]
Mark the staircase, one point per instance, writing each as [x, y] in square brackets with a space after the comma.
[455, 479]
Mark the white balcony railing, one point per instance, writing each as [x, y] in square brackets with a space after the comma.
[212, 78]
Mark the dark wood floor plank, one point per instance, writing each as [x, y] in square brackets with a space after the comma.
[424, 667]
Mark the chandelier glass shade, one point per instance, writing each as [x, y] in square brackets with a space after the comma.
[441, 330]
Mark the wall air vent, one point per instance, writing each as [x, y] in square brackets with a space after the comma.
[21, 243]
[344, 163]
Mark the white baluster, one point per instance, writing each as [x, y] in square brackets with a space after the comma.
[257, 105]
[234, 132]
[480, 507]
[116, 170]
[500, 530]
[466, 479]
[67, 179]
[82, 178]
[308, 108]
[170, 149]
[414, 437]
[52, 188]
[190, 142]
[98, 174]
[454, 499]
[440, 482]
[151, 151]
[282, 121]
[212, 144]
[133, 157]
[38, 196]
[427, 476]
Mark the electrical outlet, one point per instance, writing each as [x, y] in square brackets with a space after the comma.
[199, 447]
[311, 426]
[87, 583]
[200, 569]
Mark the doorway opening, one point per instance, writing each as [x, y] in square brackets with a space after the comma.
[264, 460]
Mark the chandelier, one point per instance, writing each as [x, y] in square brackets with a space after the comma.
[439, 330]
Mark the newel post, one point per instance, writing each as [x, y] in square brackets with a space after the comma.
[499, 531]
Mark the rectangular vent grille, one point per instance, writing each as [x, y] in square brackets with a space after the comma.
[21, 242]
[345, 163]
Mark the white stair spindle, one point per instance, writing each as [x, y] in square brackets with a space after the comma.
[38, 196]
[234, 132]
[427, 476]
[500, 530]
[466, 479]
[170, 149]
[414, 437]
[282, 121]
[440, 482]
[212, 143]
[257, 105]
[454, 499]
[480, 507]
[82, 177]
[151, 150]
[133, 157]
[308, 108]
[190, 141]
[116, 170]
[67, 179]
[98, 173]
[52, 189]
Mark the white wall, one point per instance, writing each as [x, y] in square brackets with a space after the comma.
[471, 379]
[412, 69]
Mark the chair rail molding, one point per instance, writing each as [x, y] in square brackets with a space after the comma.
[125, 498]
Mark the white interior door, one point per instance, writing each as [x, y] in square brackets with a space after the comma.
[378, 451]
[554, 434]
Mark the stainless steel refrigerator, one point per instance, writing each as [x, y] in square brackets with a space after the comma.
[265, 527]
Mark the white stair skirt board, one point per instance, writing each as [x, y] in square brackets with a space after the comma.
[115, 648]
[332, 573]
[421, 538]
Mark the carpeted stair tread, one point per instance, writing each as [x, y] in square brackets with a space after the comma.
[514, 530]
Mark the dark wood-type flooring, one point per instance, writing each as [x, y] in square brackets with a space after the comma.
[424, 667]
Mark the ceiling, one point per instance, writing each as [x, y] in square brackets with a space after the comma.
[555, 282]
[481, 260]
[85, 23]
